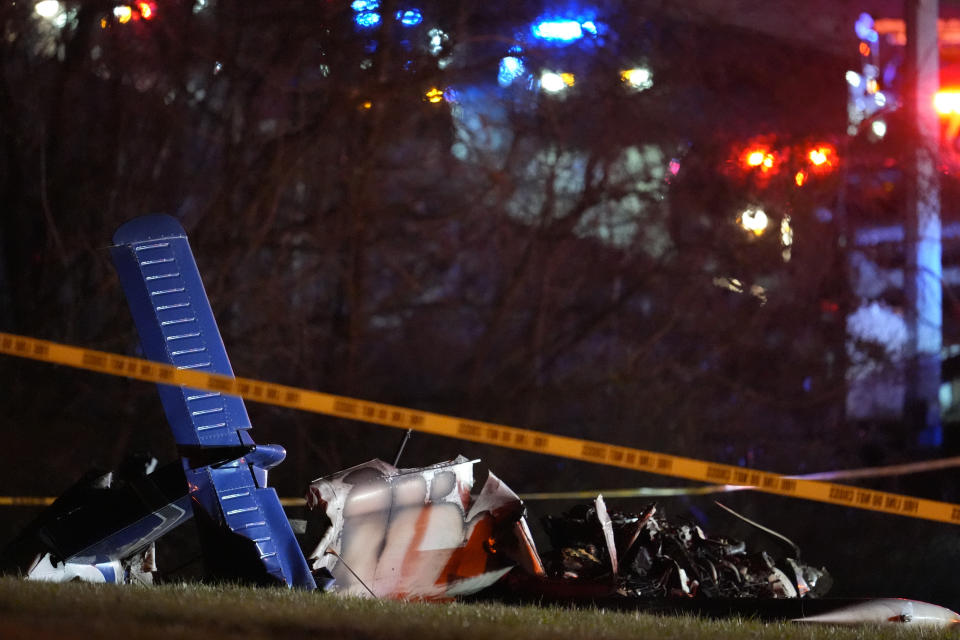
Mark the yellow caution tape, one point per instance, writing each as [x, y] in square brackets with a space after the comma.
[42, 501]
[642, 492]
[484, 432]
[636, 492]
[658, 492]
[25, 501]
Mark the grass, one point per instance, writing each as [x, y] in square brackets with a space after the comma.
[42, 611]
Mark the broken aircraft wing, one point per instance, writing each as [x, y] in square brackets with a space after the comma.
[102, 528]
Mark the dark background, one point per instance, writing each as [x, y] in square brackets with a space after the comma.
[502, 254]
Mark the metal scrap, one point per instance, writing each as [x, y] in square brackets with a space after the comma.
[646, 555]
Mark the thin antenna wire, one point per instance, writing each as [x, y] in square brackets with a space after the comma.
[403, 444]
[790, 542]
[340, 558]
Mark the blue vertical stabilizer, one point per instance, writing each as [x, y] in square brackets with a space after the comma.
[176, 326]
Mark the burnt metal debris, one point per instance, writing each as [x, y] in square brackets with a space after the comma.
[646, 555]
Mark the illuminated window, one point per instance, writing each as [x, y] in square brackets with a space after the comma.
[437, 38]
[563, 30]
[367, 19]
[822, 157]
[366, 11]
[638, 78]
[759, 157]
[864, 28]
[558, 30]
[410, 17]
[511, 68]
[553, 82]
[48, 9]
[947, 102]
[754, 220]
[786, 232]
[123, 13]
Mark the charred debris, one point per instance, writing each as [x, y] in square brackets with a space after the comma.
[647, 555]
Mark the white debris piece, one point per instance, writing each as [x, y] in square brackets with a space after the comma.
[418, 533]
[888, 610]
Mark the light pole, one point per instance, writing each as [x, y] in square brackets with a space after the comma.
[923, 268]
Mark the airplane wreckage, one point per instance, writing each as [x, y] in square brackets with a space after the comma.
[375, 529]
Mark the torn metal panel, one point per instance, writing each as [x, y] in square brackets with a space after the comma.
[45, 568]
[418, 533]
[606, 526]
[137, 568]
[103, 528]
[525, 553]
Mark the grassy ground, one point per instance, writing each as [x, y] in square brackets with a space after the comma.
[65, 612]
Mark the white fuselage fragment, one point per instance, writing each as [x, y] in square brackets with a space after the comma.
[416, 533]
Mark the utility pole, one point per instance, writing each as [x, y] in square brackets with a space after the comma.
[923, 268]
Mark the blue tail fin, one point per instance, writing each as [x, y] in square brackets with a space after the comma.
[176, 326]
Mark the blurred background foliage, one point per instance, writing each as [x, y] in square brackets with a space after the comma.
[392, 211]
